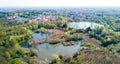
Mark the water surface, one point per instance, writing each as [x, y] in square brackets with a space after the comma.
[46, 51]
[83, 25]
[40, 35]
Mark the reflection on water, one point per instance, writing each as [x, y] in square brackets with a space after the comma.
[25, 45]
[47, 50]
[40, 35]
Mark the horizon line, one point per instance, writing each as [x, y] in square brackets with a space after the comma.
[56, 6]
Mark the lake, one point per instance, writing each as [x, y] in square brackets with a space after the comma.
[83, 25]
[46, 51]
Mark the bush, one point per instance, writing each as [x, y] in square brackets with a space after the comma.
[68, 43]
[21, 51]
[47, 25]
[74, 37]
[7, 55]
[34, 52]
[54, 41]
[31, 61]
[18, 61]
[43, 30]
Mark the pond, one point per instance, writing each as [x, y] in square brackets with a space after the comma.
[47, 51]
[83, 25]
[38, 36]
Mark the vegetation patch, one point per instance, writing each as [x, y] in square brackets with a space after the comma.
[69, 43]
[43, 30]
[88, 57]
[54, 41]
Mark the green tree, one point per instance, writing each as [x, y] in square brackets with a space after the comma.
[7, 55]
[18, 61]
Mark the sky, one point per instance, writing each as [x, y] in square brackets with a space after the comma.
[59, 3]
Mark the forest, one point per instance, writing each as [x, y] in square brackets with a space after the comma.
[38, 26]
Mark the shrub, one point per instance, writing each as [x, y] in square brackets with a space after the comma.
[54, 41]
[74, 37]
[68, 43]
[34, 52]
[43, 30]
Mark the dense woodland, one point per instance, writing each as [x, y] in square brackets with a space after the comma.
[13, 34]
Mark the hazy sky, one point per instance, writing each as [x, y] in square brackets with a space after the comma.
[56, 3]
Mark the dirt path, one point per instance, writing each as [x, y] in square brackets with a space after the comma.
[92, 40]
